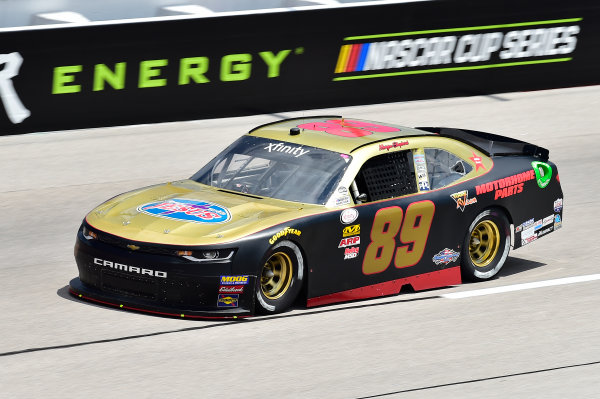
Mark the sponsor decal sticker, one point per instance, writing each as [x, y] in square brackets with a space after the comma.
[347, 127]
[548, 220]
[477, 161]
[346, 242]
[507, 186]
[557, 222]
[395, 144]
[351, 253]
[282, 233]
[342, 200]
[231, 289]
[129, 269]
[558, 204]
[348, 215]
[543, 173]
[445, 256]
[462, 199]
[234, 280]
[524, 225]
[528, 235]
[545, 231]
[351, 230]
[423, 186]
[286, 149]
[187, 211]
[228, 300]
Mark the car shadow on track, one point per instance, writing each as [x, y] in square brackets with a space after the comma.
[515, 265]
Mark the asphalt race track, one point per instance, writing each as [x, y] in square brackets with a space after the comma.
[540, 340]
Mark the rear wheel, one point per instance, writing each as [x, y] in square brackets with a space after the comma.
[486, 245]
[280, 278]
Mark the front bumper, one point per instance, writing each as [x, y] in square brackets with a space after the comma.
[158, 283]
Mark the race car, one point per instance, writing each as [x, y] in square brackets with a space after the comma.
[319, 210]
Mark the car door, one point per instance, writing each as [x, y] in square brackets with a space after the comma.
[408, 227]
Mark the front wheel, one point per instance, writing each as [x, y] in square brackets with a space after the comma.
[280, 278]
[486, 245]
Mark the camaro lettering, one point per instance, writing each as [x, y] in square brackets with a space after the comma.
[130, 269]
[288, 149]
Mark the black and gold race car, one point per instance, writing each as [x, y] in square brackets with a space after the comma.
[320, 209]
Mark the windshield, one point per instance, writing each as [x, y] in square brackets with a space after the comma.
[276, 169]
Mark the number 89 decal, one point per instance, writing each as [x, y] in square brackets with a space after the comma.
[412, 229]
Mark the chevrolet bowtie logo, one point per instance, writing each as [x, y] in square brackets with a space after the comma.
[133, 247]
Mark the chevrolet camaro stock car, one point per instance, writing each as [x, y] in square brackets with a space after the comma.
[319, 209]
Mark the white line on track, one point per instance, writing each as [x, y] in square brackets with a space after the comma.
[520, 287]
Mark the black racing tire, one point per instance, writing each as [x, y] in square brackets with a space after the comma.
[486, 245]
[280, 278]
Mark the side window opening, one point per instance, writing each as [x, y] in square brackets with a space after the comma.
[385, 176]
[444, 168]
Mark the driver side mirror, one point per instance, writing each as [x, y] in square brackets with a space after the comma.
[361, 198]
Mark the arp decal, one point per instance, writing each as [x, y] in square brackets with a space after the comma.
[395, 144]
[345, 200]
[507, 186]
[445, 256]
[228, 300]
[187, 211]
[412, 230]
[348, 215]
[351, 230]
[346, 242]
[462, 199]
[347, 127]
[234, 280]
[543, 173]
[15, 110]
[282, 233]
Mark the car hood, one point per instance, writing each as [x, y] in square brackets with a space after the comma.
[189, 213]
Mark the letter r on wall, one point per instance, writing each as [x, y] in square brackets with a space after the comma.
[15, 109]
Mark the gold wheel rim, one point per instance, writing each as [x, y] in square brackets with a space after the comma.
[276, 275]
[484, 243]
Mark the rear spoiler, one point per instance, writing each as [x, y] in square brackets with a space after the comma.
[490, 144]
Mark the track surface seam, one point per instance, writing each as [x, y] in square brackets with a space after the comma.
[479, 380]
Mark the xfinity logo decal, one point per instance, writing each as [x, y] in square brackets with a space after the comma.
[406, 53]
[282, 147]
[15, 109]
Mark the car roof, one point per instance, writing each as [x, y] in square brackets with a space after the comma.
[327, 132]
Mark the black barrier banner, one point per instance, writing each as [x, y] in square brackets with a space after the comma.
[145, 72]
